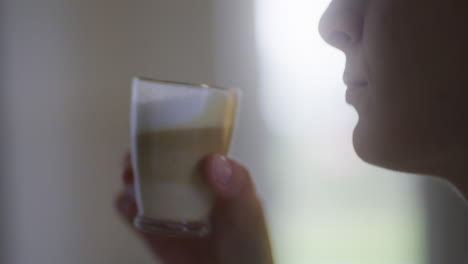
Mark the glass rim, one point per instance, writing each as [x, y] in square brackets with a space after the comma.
[194, 85]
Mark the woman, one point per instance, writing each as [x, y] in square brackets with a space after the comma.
[406, 72]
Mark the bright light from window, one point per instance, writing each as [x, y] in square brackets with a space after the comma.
[301, 74]
[329, 207]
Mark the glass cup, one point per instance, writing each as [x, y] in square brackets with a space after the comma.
[174, 126]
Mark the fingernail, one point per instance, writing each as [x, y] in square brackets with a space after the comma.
[223, 171]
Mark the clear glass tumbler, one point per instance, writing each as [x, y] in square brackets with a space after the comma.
[174, 126]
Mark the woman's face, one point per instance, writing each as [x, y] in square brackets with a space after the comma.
[407, 75]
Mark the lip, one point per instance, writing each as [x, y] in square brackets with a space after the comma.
[358, 86]
[357, 96]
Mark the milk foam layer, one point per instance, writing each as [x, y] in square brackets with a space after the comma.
[162, 105]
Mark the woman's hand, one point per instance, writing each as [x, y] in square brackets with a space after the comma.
[239, 234]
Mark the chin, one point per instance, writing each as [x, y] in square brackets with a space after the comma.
[387, 150]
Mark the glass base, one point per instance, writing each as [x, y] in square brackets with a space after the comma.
[171, 228]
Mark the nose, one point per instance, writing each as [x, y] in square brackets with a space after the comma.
[341, 24]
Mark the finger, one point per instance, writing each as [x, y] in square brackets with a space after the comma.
[126, 161]
[126, 206]
[238, 219]
[228, 178]
[127, 174]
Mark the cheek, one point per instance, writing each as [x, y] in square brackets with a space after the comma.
[408, 57]
[416, 55]
[417, 65]
[405, 87]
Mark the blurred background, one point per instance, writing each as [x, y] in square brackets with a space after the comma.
[65, 74]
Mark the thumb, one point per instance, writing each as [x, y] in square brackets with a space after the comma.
[239, 224]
